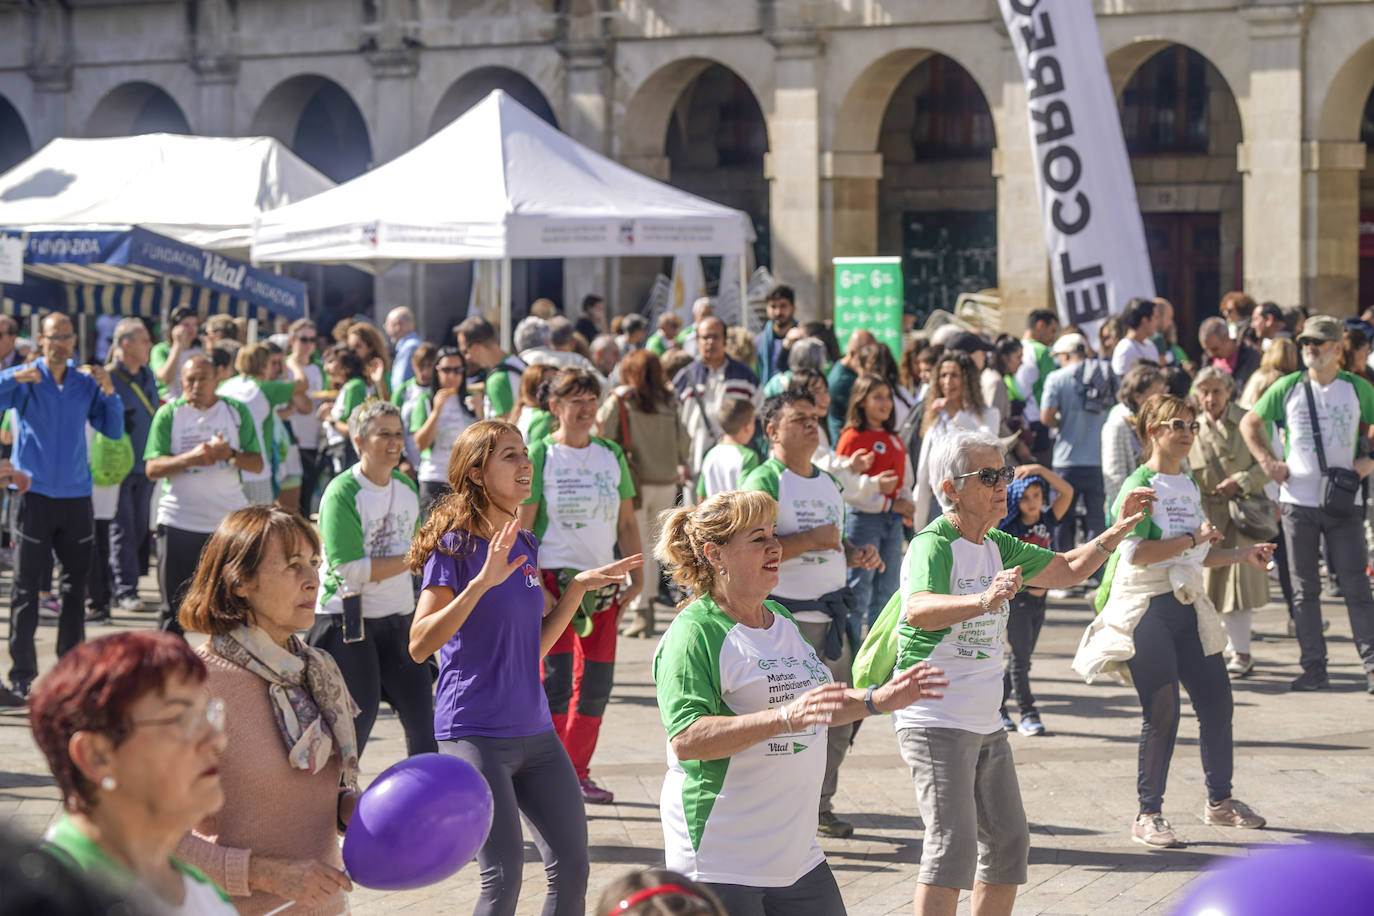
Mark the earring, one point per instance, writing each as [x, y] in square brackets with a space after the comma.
[108, 783]
[723, 574]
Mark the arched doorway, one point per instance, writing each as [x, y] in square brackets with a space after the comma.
[319, 120]
[1366, 217]
[15, 145]
[448, 288]
[937, 198]
[1182, 126]
[136, 108]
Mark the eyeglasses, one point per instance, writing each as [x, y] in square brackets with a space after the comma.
[454, 369]
[1312, 342]
[308, 340]
[60, 338]
[1179, 426]
[193, 724]
[989, 476]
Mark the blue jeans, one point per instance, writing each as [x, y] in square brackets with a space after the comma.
[1087, 492]
[872, 588]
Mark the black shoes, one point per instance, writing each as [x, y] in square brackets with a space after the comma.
[16, 696]
[1312, 678]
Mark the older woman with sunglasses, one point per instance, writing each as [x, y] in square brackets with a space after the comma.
[1159, 628]
[133, 740]
[957, 577]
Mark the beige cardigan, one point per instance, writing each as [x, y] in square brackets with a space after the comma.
[270, 808]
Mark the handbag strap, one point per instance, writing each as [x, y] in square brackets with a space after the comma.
[1316, 427]
[624, 422]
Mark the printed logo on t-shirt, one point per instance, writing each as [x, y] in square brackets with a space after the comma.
[786, 685]
[880, 447]
[531, 574]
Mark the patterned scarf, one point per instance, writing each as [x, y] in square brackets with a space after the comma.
[314, 710]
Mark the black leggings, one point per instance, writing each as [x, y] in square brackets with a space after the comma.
[1167, 653]
[380, 667]
[178, 555]
[531, 776]
[47, 525]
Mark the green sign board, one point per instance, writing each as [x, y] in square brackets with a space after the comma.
[868, 296]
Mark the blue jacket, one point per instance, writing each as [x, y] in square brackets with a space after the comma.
[50, 428]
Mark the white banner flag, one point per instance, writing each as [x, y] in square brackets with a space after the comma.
[1092, 220]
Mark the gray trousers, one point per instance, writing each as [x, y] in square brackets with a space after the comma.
[837, 737]
[1303, 527]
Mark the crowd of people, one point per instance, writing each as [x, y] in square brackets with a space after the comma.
[466, 533]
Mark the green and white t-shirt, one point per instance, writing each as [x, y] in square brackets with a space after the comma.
[502, 388]
[261, 398]
[723, 467]
[578, 491]
[453, 419]
[804, 503]
[941, 561]
[744, 819]
[1177, 510]
[306, 426]
[353, 393]
[197, 499]
[1341, 407]
[358, 521]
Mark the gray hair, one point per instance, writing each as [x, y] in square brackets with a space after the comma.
[561, 331]
[1213, 374]
[952, 456]
[807, 353]
[126, 328]
[531, 333]
[367, 413]
[1211, 327]
[602, 341]
[702, 307]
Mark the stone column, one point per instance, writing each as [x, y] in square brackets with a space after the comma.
[792, 167]
[49, 67]
[393, 131]
[1331, 186]
[586, 114]
[1271, 158]
[850, 211]
[1023, 267]
[214, 60]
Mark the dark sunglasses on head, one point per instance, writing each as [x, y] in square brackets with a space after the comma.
[990, 476]
[1178, 425]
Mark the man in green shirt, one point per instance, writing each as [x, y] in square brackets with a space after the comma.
[480, 348]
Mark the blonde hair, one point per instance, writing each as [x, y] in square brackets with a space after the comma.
[1159, 409]
[681, 547]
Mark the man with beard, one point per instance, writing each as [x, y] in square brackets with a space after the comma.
[1336, 403]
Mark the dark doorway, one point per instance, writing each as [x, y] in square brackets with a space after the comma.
[1185, 257]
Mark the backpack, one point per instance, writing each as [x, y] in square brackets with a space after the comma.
[1099, 387]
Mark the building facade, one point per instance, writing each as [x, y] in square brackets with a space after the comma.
[844, 127]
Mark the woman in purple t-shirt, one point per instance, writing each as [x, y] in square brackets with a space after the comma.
[482, 609]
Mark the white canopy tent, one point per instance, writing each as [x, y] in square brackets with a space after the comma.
[496, 184]
[203, 191]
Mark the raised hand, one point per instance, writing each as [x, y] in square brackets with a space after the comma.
[1257, 556]
[887, 482]
[1206, 534]
[301, 880]
[816, 706]
[102, 378]
[495, 569]
[825, 537]
[1004, 587]
[919, 682]
[861, 461]
[864, 556]
[611, 573]
[28, 374]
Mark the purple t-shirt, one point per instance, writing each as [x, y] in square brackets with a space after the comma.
[489, 672]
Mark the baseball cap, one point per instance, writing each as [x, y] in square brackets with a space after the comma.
[1069, 343]
[1322, 327]
[968, 342]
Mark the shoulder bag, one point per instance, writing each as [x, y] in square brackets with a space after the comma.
[628, 448]
[1340, 486]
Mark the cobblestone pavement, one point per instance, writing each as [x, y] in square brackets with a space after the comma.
[1303, 760]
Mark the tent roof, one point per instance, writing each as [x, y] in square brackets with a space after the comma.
[499, 182]
[204, 191]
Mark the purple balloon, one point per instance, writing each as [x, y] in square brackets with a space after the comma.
[420, 821]
[1325, 878]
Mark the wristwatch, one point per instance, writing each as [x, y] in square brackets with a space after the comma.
[868, 701]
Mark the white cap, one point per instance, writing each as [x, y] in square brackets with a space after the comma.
[1069, 343]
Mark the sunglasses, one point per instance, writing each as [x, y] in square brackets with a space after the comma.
[310, 339]
[1179, 426]
[450, 368]
[990, 476]
[1312, 342]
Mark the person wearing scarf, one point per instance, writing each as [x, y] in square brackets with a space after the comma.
[290, 768]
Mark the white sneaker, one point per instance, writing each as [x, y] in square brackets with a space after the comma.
[1060, 594]
[132, 604]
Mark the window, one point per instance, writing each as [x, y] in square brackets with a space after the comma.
[1164, 106]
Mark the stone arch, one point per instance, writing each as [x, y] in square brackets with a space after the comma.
[136, 108]
[320, 121]
[1182, 124]
[475, 85]
[15, 143]
[656, 101]
[1343, 105]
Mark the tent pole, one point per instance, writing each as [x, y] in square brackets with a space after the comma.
[743, 289]
[505, 305]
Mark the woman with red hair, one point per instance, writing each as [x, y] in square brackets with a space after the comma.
[133, 738]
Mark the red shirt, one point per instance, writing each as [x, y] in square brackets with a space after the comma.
[888, 453]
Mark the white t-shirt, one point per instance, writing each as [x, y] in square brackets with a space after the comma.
[749, 818]
[723, 468]
[453, 419]
[306, 426]
[804, 503]
[578, 491]
[1128, 352]
[197, 499]
[243, 389]
[942, 562]
[1341, 407]
[1177, 510]
[358, 521]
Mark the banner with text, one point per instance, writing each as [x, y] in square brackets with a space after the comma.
[1093, 229]
[868, 296]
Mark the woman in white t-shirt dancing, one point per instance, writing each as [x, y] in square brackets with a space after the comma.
[581, 507]
[746, 704]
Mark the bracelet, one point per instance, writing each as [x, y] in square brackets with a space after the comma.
[1102, 548]
[868, 701]
[1192, 538]
[983, 603]
[786, 719]
[338, 812]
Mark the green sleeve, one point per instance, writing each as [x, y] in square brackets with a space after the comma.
[764, 478]
[538, 451]
[419, 414]
[7, 422]
[1015, 552]
[354, 393]
[750, 462]
[160, 433]
[1147, 528]
[248, 433]
[655, 344]
[929, 564]
[499, 392]
[1365, 393]
[627, 486]
[398, 397]
[278, 393]
[341, 525]
[541, 424]
[158, 357]
[686, 674]
[1270, 405]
